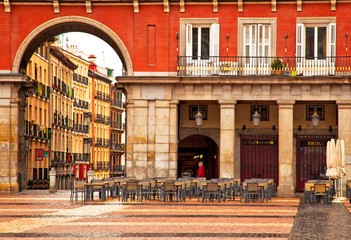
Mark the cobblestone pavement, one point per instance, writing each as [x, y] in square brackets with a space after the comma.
[320, 221]
[39, 215]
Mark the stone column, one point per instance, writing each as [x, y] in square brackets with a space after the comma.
[344, 132]
[129, 137]
[227, 138]
[151, 172]
[286, 148]
[140, 131]
[9, 109]
[162, 137]
[53, 184]
[173, 138]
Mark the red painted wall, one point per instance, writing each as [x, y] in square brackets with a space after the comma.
[132, 27]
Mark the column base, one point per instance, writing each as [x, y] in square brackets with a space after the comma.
[285, 191]
[7, 188]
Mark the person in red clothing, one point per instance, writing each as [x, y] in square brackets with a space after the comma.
[201, 170]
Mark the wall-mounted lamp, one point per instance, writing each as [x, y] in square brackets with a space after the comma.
[177, 37]
[198, 118]
[227, 43]
[273, 127]
[330, 128]
[346, 37]
[286, 49]
[244, 127]
[299, 128]
[315, 119]
[256, 119]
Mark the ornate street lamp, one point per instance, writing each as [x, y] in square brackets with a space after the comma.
[315, 119]
[198, 119]
[256, 119]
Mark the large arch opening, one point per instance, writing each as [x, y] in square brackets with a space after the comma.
[197, 148]
[70, 24]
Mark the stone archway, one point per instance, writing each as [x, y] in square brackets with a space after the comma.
[70, 24]
[189, 151]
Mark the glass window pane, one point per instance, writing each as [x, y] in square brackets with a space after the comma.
[195, 41]
[322, 35]
[205, 43]
[309, 42]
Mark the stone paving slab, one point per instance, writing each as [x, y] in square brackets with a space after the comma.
[39, 215]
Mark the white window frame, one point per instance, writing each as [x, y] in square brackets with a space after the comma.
[250, 21]
[315, 66]
[186, 38]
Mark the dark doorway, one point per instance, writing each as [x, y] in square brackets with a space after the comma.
[311, 158]
[259, 157]
[195, 148]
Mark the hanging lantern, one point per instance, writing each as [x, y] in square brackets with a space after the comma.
[198, 119]
[256, 119]
[315, 119]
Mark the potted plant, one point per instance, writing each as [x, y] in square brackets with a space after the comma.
[277, 66]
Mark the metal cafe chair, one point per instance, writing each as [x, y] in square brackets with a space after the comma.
[168, 189]
[77, 187]
[251, 192]
[322, 191]
[211, 191]
[131, 190]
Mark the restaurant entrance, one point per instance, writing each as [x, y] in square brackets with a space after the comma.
[197, 148]
[259, 157]
[310, 158]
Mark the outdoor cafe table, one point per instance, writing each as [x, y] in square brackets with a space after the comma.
[89, 189]
[310, 183]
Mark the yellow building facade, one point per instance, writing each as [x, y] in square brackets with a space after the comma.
[100, 126]
[37, 125]
[81, 114]
[61, 111]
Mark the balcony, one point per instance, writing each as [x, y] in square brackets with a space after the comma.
[103, 165]
[41, 91]
[117, 103]
[62, 121]
[99, 118]
[81, 128]
[102, 142]
[117, 169]
[102, 96]
[62, 87]
[80, 79]
[80, 157]
[34, 131]
[61, 158]
[81, 104]
[264, 66]
[117, 147]
[118, 125]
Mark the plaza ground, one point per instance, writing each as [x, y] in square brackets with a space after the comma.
[40, 215]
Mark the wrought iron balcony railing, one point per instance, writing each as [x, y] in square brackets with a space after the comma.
[81, 79]
[117, 147]
[263, 66]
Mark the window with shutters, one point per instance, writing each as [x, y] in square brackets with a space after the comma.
[315, 46]
[316, 40]
[257, 37]
[199, 38]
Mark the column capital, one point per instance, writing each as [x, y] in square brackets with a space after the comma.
[343, 104]
[174, 102]
[227, 103]
[285, 102]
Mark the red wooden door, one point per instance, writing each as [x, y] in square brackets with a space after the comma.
[259, 157]
[310, 158]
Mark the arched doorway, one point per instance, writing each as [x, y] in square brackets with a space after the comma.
[61, 25]
[194, 148]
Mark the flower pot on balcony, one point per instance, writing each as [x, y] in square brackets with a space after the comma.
[277, 72]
